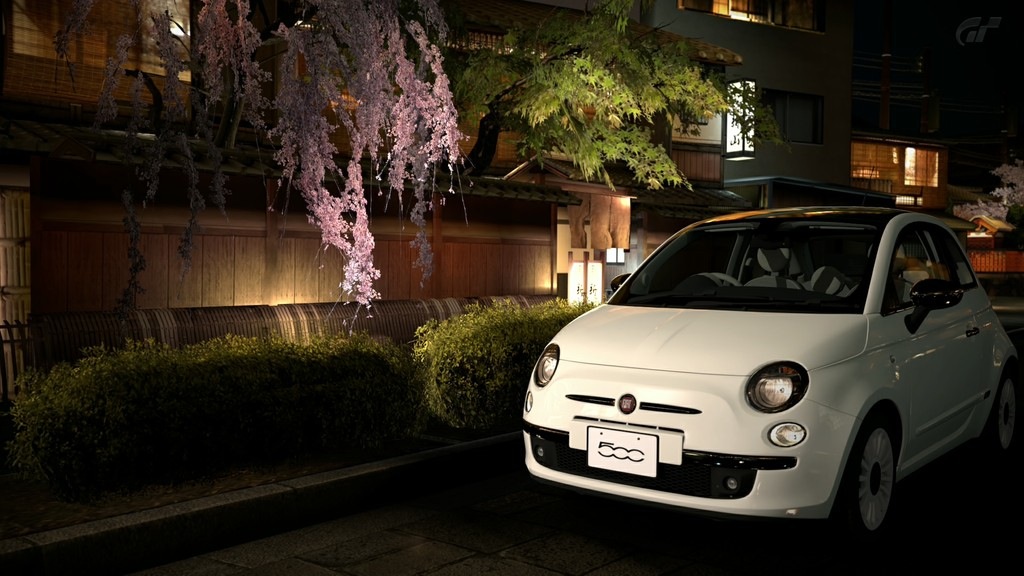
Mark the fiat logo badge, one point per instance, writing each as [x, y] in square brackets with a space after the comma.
[627, 404]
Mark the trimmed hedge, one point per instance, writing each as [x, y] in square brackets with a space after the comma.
[120, 419]
[476, 366]
[147, 413]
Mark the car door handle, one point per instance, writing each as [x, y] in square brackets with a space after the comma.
[973, 331]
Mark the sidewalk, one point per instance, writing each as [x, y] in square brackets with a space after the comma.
[139, 540]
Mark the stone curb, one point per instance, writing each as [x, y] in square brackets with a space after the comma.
[139, 540]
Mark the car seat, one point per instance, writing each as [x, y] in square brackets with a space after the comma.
[829, 280]
[777, 266]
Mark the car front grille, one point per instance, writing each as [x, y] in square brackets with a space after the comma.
[694, 477]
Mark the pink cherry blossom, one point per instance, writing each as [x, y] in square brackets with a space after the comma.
[371, 68]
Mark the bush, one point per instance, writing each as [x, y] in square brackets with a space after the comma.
[120, 419]
[476, 366]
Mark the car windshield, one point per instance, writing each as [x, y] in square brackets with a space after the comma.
[793, 265]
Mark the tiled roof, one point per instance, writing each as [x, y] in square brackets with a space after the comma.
[83, 143]
[993, 224]
[690, 203]
[966, 195]
[956, 224]
[515, 190]
[696, 203]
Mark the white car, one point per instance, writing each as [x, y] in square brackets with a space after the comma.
[789, 363]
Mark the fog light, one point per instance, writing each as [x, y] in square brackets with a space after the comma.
[529, 401]
[787, 434]
[544, 451]
[732, 483]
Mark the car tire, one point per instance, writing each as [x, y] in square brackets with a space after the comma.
[869, 481]
[1000, 428]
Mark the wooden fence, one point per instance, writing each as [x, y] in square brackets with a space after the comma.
[61, 337]
[15, 357]
[997, 261]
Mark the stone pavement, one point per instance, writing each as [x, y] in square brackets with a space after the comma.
[471, 529]
[149, 538]
[510, 525]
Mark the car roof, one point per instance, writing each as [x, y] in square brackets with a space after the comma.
[872, 215]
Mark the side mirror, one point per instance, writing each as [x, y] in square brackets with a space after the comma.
[931, 294]
[618, 281]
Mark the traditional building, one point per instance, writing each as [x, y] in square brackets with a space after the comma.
[506, 232]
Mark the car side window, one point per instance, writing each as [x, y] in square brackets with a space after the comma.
[923, 251]
[912, 261]
[959, 266]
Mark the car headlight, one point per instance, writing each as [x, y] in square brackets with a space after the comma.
[777, 387]
[546, 365]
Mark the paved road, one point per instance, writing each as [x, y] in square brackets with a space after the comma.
[956, 517]
[959, 515]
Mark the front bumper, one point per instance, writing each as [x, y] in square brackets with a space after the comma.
[698, 474]
[698, 484]
[713, 451]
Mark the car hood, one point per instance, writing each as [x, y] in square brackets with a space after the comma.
[722, 342]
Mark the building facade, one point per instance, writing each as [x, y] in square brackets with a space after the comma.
[798, 54]
[63, 181]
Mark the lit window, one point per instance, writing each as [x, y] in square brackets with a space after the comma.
[739, 130]
[875, 162]
[920, 167]
[907, 200]
[802, 14]
[713, 6]
[178, 12]
[615, 256]
[751, 10]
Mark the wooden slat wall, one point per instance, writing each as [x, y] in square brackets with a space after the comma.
[329, 274]
[155, 278]
[489, 247]
[487, 268]
[307, 269]
[184, 289]
[218, 271]
[87, 270]
[698, 165]
[114, 268]
[85, 264]
[14, 254]
[249, 259]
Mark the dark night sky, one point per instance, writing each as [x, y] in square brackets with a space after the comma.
[973, 79]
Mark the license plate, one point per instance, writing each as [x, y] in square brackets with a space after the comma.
[628, 452]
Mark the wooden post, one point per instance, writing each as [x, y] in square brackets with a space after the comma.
[552, 288]
[270, 289]
[437, 243]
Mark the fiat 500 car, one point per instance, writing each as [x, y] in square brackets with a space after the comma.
[791, 363]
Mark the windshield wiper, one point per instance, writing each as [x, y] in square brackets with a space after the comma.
[703, 299]
[667, 298]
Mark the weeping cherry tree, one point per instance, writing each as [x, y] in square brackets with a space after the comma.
[375, 64]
